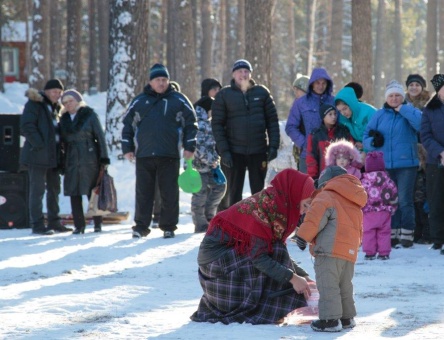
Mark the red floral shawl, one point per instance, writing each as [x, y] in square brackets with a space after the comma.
[271, 214]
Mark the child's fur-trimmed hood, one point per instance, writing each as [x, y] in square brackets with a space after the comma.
[344, 147]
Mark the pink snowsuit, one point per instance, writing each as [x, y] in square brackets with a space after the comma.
[381, 205]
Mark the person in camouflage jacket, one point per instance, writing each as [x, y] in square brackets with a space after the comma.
[206, 160]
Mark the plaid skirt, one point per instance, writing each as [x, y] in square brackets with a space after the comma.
[235, 291]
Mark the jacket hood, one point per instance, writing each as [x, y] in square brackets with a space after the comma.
[344, 147]
[348, 96]
[320, 73]
[34, 95]
[349, 187]
[38, 96]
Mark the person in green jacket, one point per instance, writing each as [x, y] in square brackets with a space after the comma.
[354, 114]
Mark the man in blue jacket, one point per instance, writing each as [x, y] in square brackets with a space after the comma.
[153, 125]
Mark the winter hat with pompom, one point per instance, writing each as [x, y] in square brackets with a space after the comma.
[374, 161]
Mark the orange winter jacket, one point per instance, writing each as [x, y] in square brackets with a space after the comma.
[333, 224]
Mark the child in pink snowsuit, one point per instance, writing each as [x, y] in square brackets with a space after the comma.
[381, 205]
[344, 154]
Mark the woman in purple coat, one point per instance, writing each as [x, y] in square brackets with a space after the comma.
[432, 138]
[304, 114]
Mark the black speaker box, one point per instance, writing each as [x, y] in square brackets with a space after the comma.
[9, 142]
[14, 213]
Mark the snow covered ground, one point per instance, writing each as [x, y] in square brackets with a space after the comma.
[107, 285]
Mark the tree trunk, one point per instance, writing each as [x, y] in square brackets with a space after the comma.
[258, 38]
[398, 41]
[283, 65]
[335, 57]
[362, 46]
[40, 45]
[323, 33]
[432, 39]
[222, 50]
[93, 48]
[441, 35]
[230, 41]
[74, 46]
[240, 32]
[56, 40]
[123, 72]
[103, 9]
[2, 76]
[139, 35]
[205, 47]
[185, 47]
[171, 38]
[379, 85]
[311, 15]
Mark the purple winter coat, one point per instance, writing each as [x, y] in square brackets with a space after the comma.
[307, 107]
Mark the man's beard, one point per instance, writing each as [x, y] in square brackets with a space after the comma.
[244, 85]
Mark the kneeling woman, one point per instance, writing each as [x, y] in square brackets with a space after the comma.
[243, 259]
[85, 148]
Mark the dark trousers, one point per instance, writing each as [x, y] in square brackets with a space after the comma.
[166, 170]
[41, 179]
[422, 228]
[435, 197]
[257, 170]
[157, 205]
[78, 215]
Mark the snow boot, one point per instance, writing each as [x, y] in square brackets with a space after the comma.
[326, 326]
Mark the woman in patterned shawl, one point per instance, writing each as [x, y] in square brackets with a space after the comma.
[245, 270]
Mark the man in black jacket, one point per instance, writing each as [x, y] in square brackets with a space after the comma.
[154, 123]
[246, 129]
[41, 155]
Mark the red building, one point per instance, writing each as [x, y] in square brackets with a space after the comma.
[14, 51]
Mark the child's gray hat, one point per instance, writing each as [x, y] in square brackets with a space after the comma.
[330, 172]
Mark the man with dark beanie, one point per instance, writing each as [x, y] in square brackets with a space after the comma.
[246, 129]
[154, 122]
[41, 154]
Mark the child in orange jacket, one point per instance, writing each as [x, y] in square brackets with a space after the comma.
[333, 227]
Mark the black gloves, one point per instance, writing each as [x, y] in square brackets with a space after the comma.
[302, 244]
[272, 154]
[226, 159]
[104, 161]
[378, 138]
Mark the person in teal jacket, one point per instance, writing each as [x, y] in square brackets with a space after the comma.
[354, 114]
[393, 129]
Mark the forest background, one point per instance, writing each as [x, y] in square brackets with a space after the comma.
[109, 45]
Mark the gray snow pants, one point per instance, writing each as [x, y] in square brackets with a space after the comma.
[334, 282]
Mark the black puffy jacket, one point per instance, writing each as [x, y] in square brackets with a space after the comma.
[242, 122]
[85, 148]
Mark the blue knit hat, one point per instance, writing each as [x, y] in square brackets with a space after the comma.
[242, 63]
[158, 70]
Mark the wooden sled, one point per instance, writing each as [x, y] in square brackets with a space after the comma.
[113, 218]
